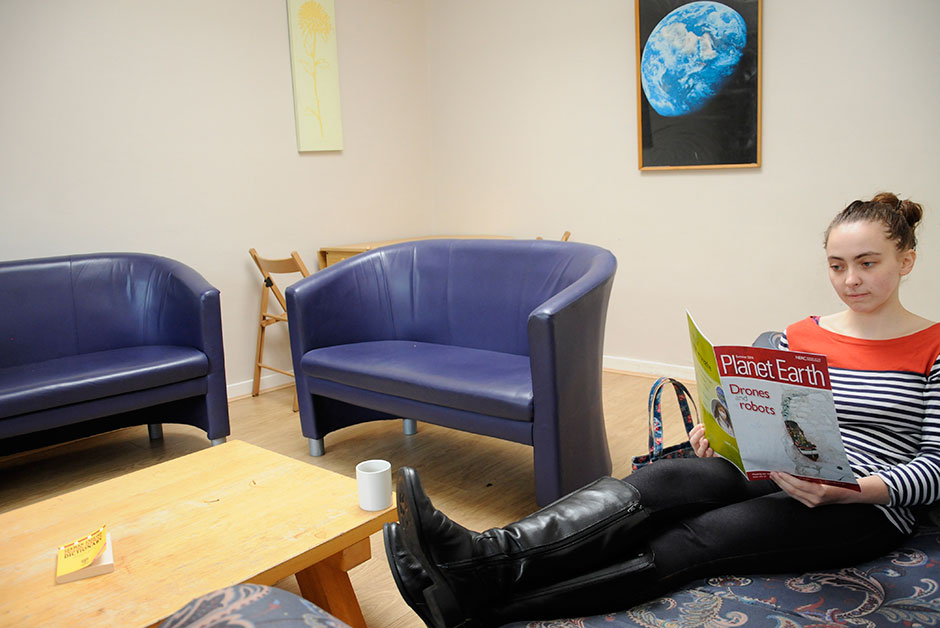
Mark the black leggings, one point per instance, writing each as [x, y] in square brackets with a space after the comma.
[707, 519]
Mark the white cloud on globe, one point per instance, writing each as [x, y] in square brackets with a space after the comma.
[690, 55]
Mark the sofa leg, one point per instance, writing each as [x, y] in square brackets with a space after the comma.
[155, 431]
[216, 441]
[316, 447]
[410, 426]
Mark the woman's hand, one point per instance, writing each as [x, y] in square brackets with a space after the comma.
[699, 442]
[812, 494]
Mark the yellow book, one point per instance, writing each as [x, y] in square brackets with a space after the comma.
[90, 555]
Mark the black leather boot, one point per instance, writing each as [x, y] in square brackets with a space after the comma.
[474, 574]
[613, 588]
[409, 575]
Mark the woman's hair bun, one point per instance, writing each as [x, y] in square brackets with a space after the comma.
[900, 217]
[911, 211]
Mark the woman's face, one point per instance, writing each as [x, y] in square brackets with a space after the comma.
[865, 267]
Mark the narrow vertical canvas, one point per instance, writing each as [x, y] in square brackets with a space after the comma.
[315, 71]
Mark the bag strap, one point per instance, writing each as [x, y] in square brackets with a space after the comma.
[655, 411]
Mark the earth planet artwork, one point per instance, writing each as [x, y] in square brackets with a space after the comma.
[690, 55]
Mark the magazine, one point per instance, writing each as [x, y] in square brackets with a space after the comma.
[770, 410]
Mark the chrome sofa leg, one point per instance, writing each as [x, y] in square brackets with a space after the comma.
[316, 447]
[410, 426]
[155, 431]
[217, 441]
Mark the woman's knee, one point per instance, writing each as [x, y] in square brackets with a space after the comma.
[661, 473]
[683, 469]
[683, 482]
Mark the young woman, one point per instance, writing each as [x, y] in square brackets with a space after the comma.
[615, 543]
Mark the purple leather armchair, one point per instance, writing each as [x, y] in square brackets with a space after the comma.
[90, 343]
[496, 337]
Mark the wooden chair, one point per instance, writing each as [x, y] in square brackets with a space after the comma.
[564, 236]
[292, 264]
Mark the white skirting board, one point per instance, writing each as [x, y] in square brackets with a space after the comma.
[646, 367]
[268, 380]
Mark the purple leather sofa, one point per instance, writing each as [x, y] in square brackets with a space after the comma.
[90, 343]
[496, 337]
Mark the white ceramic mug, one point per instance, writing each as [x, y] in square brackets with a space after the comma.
[374, 479]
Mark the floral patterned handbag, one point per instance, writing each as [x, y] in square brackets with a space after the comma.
[656, 451]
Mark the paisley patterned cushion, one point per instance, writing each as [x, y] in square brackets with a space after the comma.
[899, 590]
[249, 605]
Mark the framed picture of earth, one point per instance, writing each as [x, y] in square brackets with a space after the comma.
[698, 83]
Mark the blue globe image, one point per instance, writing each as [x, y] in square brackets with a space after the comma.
[690, 55]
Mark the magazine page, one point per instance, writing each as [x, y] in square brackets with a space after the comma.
[784, 417]
[713, 407]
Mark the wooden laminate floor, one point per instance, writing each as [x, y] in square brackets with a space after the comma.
[480, 482]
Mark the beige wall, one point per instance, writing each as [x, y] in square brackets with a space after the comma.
[534, 131]
[168, 128]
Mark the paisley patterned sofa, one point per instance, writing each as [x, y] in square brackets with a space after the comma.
[248, 606]
[899, 590]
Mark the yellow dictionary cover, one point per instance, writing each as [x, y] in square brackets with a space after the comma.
[90, 555]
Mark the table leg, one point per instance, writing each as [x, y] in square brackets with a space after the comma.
[327, 583]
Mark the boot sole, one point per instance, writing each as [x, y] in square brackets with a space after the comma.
[391, 543]
[442, 604]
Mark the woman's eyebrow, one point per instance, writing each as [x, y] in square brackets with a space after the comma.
[859, 256]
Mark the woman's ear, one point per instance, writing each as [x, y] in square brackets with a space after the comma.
[907, 261]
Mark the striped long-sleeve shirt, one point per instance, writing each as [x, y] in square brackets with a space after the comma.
[887, 395]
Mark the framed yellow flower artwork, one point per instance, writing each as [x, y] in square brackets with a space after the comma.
[315, 73]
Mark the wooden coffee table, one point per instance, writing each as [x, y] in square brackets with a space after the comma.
[221, 516]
